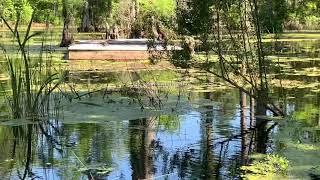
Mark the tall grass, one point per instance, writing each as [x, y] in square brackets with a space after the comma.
[31, 80]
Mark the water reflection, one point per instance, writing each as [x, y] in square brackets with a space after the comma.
[209, 142]
[245, 145]
[304, 48]
[142, 141]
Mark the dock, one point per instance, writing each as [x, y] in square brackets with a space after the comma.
[120, 49]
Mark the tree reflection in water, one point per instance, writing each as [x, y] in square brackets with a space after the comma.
[244, 129]
[217, 158]
[25, 142]
[142, 139]
[217, 154]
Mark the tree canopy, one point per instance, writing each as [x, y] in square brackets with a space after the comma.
[193, 16]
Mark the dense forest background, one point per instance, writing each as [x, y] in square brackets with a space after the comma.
[134, 15]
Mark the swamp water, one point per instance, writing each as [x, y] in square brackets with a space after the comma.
[204, 133]
[97, 139]
[196, 137]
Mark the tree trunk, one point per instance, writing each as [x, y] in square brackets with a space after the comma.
[136, 9]
[244, 136]
[67, 36]
[261, 127]
[252, 112]
[85, 26]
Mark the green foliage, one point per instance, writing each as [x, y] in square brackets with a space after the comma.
[184, 57]
[273, 14]
[312, 22]
[99, 11]
[308, 115]
[136, 17]
[303, 14]
[47, 10]
[164, 9]
[26, 10]
[266, 167]
[195, 16]
[233, 16]
[10, 8]
[7, 9]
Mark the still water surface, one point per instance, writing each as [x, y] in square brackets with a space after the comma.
[203, 142]
[206, 135]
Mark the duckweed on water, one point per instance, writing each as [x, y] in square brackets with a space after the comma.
[96, 170]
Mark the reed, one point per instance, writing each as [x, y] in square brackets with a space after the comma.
[31, 79]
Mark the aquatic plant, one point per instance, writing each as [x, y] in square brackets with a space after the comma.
[30, 81]
[266, 166]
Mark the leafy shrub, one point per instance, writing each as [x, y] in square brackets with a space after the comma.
[293, 23]
[273, 14]
[164, 9]
[312, 22]
[47, 11]
[7, 9]
[233, 17]
[184, 57]
[26, 10]
[303, 15]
